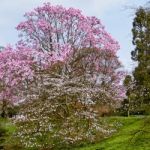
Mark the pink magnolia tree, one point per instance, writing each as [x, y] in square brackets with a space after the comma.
[58, 31]
[15, 70]
[19, 68]
[64, 66]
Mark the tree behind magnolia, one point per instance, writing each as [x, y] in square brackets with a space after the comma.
[141, 54]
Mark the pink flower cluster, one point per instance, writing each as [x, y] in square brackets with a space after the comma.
[48, 25]
[19, 66]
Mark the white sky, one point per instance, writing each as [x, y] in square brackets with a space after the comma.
[117, 19]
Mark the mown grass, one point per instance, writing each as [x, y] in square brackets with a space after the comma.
[7, 125]
[134, 134]
[6, 131]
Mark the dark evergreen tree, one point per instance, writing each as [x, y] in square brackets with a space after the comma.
[141, 54]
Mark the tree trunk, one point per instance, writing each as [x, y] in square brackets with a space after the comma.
[129, 108]
[4, 111]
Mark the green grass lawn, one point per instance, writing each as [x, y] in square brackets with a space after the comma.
[134, 134]
[6, 130]
[6, 124]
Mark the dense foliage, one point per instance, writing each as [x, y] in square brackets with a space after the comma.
[141, 54]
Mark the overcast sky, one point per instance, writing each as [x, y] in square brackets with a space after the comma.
[113, 14]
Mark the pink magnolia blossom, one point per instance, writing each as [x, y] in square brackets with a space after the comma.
[49, 25]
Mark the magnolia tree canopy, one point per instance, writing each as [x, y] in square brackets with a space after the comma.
[50, 34]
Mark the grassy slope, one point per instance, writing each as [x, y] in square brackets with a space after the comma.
[9, 128]
[133, 135]
[6, 124]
